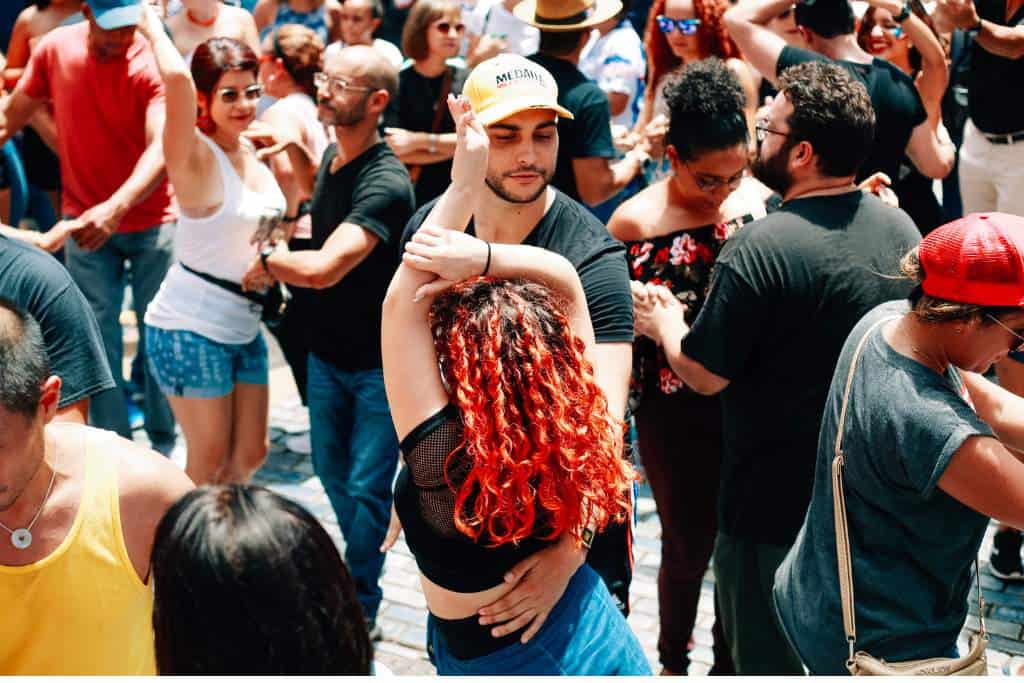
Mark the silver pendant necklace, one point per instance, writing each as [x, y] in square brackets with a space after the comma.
[22, 538]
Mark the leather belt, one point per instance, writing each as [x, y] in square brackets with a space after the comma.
[1004, 138]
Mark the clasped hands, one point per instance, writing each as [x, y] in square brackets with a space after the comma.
[656, 311]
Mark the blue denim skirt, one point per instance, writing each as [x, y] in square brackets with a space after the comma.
[585, 635]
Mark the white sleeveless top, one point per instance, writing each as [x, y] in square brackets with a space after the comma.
[218, 245]
[303, 108]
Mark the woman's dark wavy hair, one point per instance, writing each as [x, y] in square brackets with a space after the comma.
[706, 109]
[545, 454]
[248, 582]
[712, 36]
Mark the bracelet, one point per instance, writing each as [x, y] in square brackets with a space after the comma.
[487, 266]
[290, 219]
[974, 30]
[432, 143]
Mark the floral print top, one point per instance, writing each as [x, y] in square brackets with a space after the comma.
[681, 261]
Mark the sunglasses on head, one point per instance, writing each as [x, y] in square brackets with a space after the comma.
[231, 95]
[445, 27]
[687, 27]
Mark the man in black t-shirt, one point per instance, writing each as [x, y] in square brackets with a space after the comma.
[36, 283]
[785, 293]
[901, 127]
[516, 101]
[993, 149]
[362, 197]
[586, 169]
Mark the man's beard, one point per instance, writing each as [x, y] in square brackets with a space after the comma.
[345, 118]
[495, 183]
[773, 172]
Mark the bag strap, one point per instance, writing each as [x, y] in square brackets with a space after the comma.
[439, 109]
[232, 287]
[843, 556]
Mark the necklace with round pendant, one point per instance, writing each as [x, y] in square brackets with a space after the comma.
[21, 538]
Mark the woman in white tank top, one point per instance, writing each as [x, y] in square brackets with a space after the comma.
[202, 336]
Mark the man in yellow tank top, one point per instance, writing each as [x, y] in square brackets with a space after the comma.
[78, 511]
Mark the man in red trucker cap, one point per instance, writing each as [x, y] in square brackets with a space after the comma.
[917, 451]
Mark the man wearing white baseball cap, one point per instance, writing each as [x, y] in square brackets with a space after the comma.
[503, 194]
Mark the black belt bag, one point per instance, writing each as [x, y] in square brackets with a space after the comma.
[274, 302]
[1003, 138]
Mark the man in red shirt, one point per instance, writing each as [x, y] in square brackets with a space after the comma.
[108, 103]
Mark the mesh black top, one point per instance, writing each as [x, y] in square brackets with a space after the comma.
[425, 503]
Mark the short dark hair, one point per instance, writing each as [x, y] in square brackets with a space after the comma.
[247, 581]
[706, 109]
[560, 43]
[215, 57]
[826, 18]
[24, 363]
[376, 8]
[832, 111]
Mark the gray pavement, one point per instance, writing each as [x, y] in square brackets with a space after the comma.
[403, 612]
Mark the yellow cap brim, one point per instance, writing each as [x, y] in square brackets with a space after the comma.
[502, 111]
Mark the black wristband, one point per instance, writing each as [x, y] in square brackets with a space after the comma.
[290, 219]
[904, 14]
[487, 266]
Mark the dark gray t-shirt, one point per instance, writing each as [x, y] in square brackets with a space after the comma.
[913, 545]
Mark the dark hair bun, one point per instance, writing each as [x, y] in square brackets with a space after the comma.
[706, 108]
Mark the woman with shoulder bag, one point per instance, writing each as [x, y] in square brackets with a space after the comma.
[914, 458]
[202, 330]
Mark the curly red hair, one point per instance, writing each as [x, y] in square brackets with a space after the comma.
[713, 40]
[545, 455]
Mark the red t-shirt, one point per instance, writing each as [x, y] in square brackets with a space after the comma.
[100, 109]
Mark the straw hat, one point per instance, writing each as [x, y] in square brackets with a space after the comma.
[566, 15]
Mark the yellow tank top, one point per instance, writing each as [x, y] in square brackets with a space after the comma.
[82, 609]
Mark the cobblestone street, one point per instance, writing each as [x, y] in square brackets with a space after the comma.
[403, 614]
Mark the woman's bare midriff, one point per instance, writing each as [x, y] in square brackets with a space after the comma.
[446, 604]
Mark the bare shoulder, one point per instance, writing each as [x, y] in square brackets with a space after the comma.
[630, 220]
[146, 479]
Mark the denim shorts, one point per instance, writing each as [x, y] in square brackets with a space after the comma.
[190, 365]
[585, 635]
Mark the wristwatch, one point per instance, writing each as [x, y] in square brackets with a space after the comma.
[904, 13]
[265, 253]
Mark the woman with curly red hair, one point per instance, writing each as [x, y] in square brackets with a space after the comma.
[682, 31]
[508, 448]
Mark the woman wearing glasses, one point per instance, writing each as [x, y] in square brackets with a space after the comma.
[915, 49]
[419, 128]
[673, 231]
[202, 333]
[931, 452]
[683, 31]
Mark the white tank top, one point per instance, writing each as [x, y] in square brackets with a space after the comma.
[303, 108]
[218, 245]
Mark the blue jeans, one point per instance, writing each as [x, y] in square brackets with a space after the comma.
[585, 635]
[355, 454]
[100, 276]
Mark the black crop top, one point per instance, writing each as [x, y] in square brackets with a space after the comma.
[426, 506]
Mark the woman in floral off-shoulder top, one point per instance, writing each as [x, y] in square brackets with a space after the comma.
[674, 230]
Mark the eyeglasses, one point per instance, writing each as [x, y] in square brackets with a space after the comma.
[997, 321]
[687, 27]
[710, 185]
[446, 27]
[337, 86]
[231, 95]
[761, 130]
